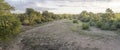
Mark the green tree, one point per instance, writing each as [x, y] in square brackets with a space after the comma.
[107, 20]
[84, 16]
[109, 15]
[85, 26]
[32, 17]
[48, 16]
[30, 11]
[45, 13]
[5, 8]
[39, 17]
[9, 24]
[9, 27]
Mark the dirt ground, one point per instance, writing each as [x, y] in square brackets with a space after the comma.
[59, 36]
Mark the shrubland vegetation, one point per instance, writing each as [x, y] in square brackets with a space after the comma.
[105, 21]
[85, 26]
[32, 17]
[75, 21]
[9, 25]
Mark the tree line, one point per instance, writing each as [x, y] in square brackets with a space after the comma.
[32, 17]
[105, 21]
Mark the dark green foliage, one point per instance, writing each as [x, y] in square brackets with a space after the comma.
[31, 17]
[75, 21]
[113, 27]
[92, 23]
[85, 26]
[118, 24]
[105, 26]
[25, 22]
[108, 20]
[5, 8]
[84, 16]
[99, 24]
[105, 21]
[9, 24]
[85, 19]
[30, 11]
[9, 27]
[48, 16]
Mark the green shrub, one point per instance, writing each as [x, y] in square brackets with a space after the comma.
[50, 19]
[105, 26]
[99, 24]
[118, 24]
[85, 26]
[70, 18]
[113, 27]
[85, 19]
[38, 21]
[26, 22]
[75, 21]
[92, 23]
[9, 27]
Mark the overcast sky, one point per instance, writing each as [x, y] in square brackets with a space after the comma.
[65, 6]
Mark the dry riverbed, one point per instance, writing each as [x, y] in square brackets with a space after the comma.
[64, 35]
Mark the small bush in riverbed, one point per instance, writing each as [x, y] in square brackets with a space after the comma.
[85, 26]
[105, 26]
[118, 25]
[99, 24]
[113, 27]
[92, 23]
[75, 21]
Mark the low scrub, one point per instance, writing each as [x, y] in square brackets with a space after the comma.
[105, 26]
[92, 23]
[9, 27]
[98, 24]
[75, 21]
[113, 27]
[85, 26]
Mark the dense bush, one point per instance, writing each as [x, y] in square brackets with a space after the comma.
[105, 21]
[9, 27]
[92, 23]
[25, 22]
[85, 26]
[75, 21]
[85, 19]
[99, 24]
[113, 27]
[84, 16]
[105, 26]
[118, 24]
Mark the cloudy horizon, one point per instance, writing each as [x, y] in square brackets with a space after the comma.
[65, 6]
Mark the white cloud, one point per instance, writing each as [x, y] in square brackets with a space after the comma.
[66, 6]
[77, 7]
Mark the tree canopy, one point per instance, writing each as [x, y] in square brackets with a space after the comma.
[9, 24]
[5, 7]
